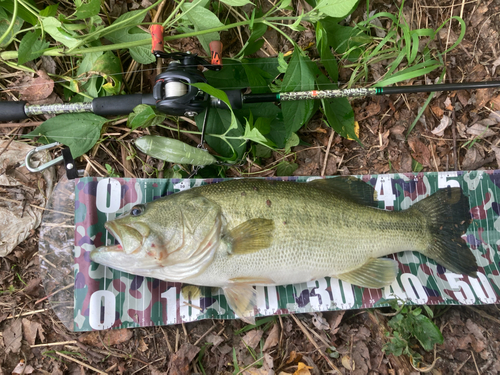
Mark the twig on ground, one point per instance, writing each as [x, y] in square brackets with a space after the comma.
[81, 363]
[325, 161]
[325, 357]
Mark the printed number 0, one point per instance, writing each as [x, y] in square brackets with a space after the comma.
[102, 299]
[108, 204]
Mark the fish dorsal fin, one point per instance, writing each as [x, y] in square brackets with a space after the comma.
[242, 299]
[376, 273]
[348, 187]
[252, 235]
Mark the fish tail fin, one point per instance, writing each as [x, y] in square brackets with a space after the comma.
[448, 213]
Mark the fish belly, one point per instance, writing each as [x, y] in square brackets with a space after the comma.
[316, 234]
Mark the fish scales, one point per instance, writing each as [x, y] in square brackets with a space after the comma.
[317, 234]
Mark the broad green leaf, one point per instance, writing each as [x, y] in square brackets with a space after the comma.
[22, 12]
[231, 77]
[202, 19]
[286, 168]
[426, 332]
[5, 21]
[257, 78]
[31, 47]
[219, 94]
[78, 131]
[142, 54]
[345, 38]
[236, 3]
[88, 10]
[327, 58]
[217, 123]
[282, 64]
[253, 134]
[144, 116]
[298, 77]
[338, 111]
[87, 62]
[132, 33]
[336, 8]
[254, 43]
[263, 124]
[108, 66]
[292, 141]
[263, 151]
[49, 11]
[56, 30]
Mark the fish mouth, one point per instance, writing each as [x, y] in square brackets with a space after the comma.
[129, 239]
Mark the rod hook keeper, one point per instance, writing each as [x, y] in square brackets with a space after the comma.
[31, 168]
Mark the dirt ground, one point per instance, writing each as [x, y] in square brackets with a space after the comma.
[295, 344]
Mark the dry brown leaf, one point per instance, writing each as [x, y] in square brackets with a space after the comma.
[348, 363]
[335, 321]
[252, 338]
[22, 368]
[483, 96]
[448, 105]
[303, 369]
[255, 371]
[112, 337]
[472, 157]
[268, 362]
[12, 336]
[439, 130]
[214, 339]
[320, 322]
[31, 329]
[38, 88]
[273, 338]
[481, 130]
[179, 362]
[438, 111]
[142, 345]
[33, 288]
[496, 150]
[495, 103]
[463, 97]
[420, 152]
[294, 357]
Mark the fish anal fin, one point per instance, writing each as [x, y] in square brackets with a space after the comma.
[348, 187]
[376, 273]
[252, 235]
[242, 299]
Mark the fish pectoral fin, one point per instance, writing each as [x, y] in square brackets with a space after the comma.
[242, 299]
[348, 187]
[252, 235]
[376, 273]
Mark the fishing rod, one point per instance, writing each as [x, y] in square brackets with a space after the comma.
[173, 95]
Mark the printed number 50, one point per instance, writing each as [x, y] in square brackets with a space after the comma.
[480, 286]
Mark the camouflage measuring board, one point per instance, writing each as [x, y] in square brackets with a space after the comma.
[105, 298]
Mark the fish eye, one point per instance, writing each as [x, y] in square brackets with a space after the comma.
[137, 210]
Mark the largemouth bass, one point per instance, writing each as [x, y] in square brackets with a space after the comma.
[247, 232]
